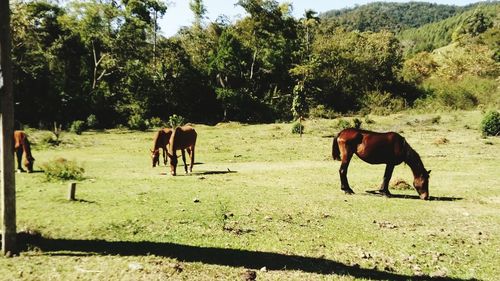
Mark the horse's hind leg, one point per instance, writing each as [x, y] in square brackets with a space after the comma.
[191, 158]
[165, 161]
[184, 160]
[19, 155]
[384, 188]
[346, 158]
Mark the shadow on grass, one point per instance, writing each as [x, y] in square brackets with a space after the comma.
[415, 197]
[201, 173]
[208, 255]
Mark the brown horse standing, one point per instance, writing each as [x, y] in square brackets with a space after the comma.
[379, 148]
[161, 139]
[182, 138]
[22, 146]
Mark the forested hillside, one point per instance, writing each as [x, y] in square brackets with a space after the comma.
[394, 17]
[107, 64]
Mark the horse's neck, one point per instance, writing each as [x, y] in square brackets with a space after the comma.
[159, 142]
[27, 148]
[414, 162]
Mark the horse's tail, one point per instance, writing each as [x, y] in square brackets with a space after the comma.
[335, 149]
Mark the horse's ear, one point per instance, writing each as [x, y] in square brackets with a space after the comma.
[429, 172]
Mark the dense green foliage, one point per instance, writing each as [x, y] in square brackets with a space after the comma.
[490, 125]
[107, 63]
[390, 16]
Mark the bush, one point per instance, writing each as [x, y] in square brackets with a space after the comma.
[46, 140]
[92, 121]
[490, 125]
[156, 122]
[77, 127]
[343, 124]
[176, 120]
[62, 169]
[357, 123]
[137, 122]
[321, 111]
[297, 128]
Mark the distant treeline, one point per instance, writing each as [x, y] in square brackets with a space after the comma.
[107, 63]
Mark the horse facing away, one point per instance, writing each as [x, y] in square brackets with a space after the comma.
[160, 140]
[22, 146]
[379, 148]
[183, 137]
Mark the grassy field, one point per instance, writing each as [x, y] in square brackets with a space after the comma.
[263, 199]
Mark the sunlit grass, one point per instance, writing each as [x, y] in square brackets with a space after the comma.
[258, 190]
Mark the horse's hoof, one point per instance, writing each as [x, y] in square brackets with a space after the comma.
[348, 191]
[385, 193]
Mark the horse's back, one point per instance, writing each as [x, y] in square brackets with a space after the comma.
[374, 147]
[183, 137]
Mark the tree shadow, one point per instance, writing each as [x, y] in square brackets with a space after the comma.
[413, 197]
[209, 255]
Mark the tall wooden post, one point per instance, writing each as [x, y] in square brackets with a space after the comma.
[7, 178]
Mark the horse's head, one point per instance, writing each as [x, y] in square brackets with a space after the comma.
[421, 184]
[155, 156]
[28, 163]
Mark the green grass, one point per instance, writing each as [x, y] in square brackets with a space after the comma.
[263, 197]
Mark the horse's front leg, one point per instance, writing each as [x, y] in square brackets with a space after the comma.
[184, 160]
[384, 188]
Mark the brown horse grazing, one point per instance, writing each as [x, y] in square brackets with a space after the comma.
[182, 138]
[379, 148]
[161, 139]
[22, 146]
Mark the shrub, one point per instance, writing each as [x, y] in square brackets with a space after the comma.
[77, 127]
[343, 124]
[92, 121]
[490, 125]
[137, 122]
[382, 103]
[47, 140]
[321, 111]
[297, 128]
[62, 169]
[176, 120]
[156, 122]
[357, 123]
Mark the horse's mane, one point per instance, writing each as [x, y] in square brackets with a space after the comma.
[172, 140]
[413, 159]
[156, 139]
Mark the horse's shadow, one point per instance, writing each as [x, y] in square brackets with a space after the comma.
[413, 197]
[209, 255]
[203, 173]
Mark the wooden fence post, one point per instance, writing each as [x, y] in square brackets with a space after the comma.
[71, 191]
[7, 178]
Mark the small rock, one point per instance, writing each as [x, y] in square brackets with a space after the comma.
[135, 266]
[263, 269]
[249, 275]
[196, 200]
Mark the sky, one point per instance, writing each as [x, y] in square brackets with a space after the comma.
[179, 14]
